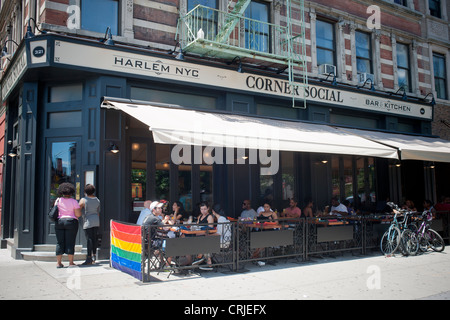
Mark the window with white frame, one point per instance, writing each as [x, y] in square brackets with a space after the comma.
[207, 15]
[403, 67]
[325, 43]
[257, 34]
[440, 75]
[363, 52]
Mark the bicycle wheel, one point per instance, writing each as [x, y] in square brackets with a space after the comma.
[435, 240]
[409, 243]
[390, 240]
[423, 242]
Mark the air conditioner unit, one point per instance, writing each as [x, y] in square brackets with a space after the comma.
[327, 69]
[363, 77]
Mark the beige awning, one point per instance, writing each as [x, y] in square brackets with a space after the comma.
[411, 147]
[177, 125]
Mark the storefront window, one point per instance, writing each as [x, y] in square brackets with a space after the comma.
[63, 162]
[206, 184]
[68, 119]
[67, 92]
[360, 180]
[288, 176]
[162, 172]
[276, 111]
[184, 186]
[138, 173]
[348, 178]
[169, 97]
[371, 170]
[335, 181]
[206, 175]
[266, 184]
[365, 176]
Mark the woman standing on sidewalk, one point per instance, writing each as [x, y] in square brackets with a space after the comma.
[91, 206]
[66, 227]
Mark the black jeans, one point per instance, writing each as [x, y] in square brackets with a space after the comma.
[66, 232]
[91, 237]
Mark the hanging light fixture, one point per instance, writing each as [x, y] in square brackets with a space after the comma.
[114, 148]
[13, 152]
[239, 65]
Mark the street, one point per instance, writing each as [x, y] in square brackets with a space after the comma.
[347, 277]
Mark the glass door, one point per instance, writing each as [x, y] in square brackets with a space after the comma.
[63, 158]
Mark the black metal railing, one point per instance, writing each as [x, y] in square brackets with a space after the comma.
[230, 245]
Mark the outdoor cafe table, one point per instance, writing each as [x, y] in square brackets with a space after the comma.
[189, 231]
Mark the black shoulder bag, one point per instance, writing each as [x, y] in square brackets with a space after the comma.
[53, 213]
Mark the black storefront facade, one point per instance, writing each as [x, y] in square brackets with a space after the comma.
[58, 131]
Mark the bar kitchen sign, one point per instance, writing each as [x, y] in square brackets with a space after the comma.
[105, 58]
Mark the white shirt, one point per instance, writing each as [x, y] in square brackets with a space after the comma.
[224, 230]
[142, 216]
[340, 208]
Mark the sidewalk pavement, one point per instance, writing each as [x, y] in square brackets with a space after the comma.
[426, 276]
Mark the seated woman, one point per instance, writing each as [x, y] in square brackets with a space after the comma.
[178, 213]
[204, 218]
[267, 214]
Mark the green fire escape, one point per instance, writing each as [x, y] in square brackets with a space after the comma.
[209, 32]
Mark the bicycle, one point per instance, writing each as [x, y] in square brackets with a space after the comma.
[427, 237]
[391, 238]
[409, 241]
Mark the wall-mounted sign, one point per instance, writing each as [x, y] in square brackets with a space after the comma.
[80, 55]
[15, 72]
[38, 51]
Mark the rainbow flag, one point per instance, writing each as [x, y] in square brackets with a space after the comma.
[126, 248]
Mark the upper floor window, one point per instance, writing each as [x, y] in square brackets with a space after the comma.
[98, 15]
[403, 67]
[363, 52]
[206, 16]
[440, 76]
[402, 2]
[191, 4]
[256, 27]
[325, 43]
[435, 8]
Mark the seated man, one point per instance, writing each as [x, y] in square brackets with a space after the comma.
[145, 212]
[156, 233]
[293, 211]
[153, 217]
[248, 213]
[337, 208]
